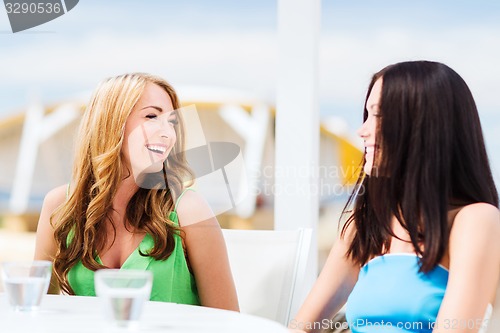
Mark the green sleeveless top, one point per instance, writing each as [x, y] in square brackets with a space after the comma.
[172, 280]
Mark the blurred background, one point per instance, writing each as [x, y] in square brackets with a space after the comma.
[221, 55]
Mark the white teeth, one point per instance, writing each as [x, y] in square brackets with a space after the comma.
[369, 149]
[157, 149]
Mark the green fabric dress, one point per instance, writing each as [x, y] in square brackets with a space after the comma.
[172, 280]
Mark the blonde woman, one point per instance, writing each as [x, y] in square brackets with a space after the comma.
[132, 134]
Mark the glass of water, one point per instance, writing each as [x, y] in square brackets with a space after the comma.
[25, 283]
[123, 293]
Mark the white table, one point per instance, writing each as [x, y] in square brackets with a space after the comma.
[84, 314]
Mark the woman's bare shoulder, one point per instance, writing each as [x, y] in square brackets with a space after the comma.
[53, 199]
[193, 208]
[477, 224]
[56, 196]
[481, 215]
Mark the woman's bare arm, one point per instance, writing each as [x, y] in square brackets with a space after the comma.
[474, 269]
[207, 253]
[331, 290]
[45, 248]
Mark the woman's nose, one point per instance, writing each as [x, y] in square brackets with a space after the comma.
[167, 129]
[363, 130]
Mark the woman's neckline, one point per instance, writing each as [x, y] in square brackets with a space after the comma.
[401, 254]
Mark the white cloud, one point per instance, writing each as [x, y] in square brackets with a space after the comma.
[248, 60]
[348, 60]
[241, 60]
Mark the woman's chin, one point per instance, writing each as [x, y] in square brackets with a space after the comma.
[154, 168]
[150, 177]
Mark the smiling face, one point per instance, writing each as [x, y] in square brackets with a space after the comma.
[149, 132]
[369, 128]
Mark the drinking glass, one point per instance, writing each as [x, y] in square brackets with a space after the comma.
[123, 293]
[25, 283]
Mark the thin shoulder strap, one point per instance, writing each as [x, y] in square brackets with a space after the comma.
[67, 192]
[173, 214]
[180, 196]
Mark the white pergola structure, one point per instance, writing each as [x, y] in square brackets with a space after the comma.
[297, 120]
[37, 128]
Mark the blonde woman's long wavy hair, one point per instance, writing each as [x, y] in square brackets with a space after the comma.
[80, 223]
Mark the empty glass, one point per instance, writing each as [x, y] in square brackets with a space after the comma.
[25, 283]
[123, 293]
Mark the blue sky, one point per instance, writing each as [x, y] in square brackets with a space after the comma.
[233, 44]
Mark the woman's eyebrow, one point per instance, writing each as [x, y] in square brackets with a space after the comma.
[154, 107]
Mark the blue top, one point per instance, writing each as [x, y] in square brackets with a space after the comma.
[391, 296]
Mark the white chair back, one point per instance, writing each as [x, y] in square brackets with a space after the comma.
[268, 268]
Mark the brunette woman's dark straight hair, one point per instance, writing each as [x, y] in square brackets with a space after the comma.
[430, 155]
